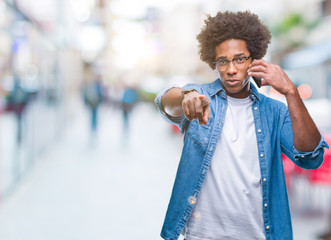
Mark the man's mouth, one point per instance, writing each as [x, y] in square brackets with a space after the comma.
[232, 81]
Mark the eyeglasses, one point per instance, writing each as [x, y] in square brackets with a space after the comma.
[223, 64]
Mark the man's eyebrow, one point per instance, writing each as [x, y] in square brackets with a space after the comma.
[239, 54]
[236, 55]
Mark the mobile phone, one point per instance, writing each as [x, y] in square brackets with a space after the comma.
[257, 80]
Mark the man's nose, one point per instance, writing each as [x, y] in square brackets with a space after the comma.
[232, 68]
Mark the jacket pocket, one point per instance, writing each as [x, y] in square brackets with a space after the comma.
[199, 133]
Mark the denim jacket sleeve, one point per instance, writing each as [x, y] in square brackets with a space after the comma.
[306, 160]
[179, 121]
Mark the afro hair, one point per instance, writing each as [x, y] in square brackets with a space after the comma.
[233, 25]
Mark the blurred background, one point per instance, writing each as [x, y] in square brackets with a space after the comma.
[84, 153]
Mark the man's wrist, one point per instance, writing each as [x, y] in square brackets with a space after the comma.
[292, 92]
[187, 91]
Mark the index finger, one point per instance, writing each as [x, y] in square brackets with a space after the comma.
[206, 114]
[199, 111]
[258, 62]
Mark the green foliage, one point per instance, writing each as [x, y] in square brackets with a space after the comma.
[291, 21]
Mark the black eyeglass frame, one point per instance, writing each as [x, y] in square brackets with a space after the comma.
[231, 60]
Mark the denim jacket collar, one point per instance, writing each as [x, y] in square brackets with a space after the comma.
[255, 93]
[216, 87]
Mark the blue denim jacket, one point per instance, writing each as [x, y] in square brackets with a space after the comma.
[274, 136]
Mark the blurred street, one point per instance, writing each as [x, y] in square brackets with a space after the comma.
[115, 188]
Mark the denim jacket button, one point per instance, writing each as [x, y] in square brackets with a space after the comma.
[264, 179]
[265, 205]
[255, 108]
[259, 130]
[261, 155]
[192, 200]
[267, 227]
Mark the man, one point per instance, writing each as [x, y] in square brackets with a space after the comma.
[230, 182]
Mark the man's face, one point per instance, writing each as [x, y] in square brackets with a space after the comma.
[234, 76]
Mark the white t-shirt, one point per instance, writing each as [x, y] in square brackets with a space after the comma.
[230, 202]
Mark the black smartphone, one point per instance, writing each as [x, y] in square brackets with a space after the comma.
[257, 80]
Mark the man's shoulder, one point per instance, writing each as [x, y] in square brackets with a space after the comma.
[208, 88]
[198, 86]
[272, 103]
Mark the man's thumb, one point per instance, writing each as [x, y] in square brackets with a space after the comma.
[204, 100]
